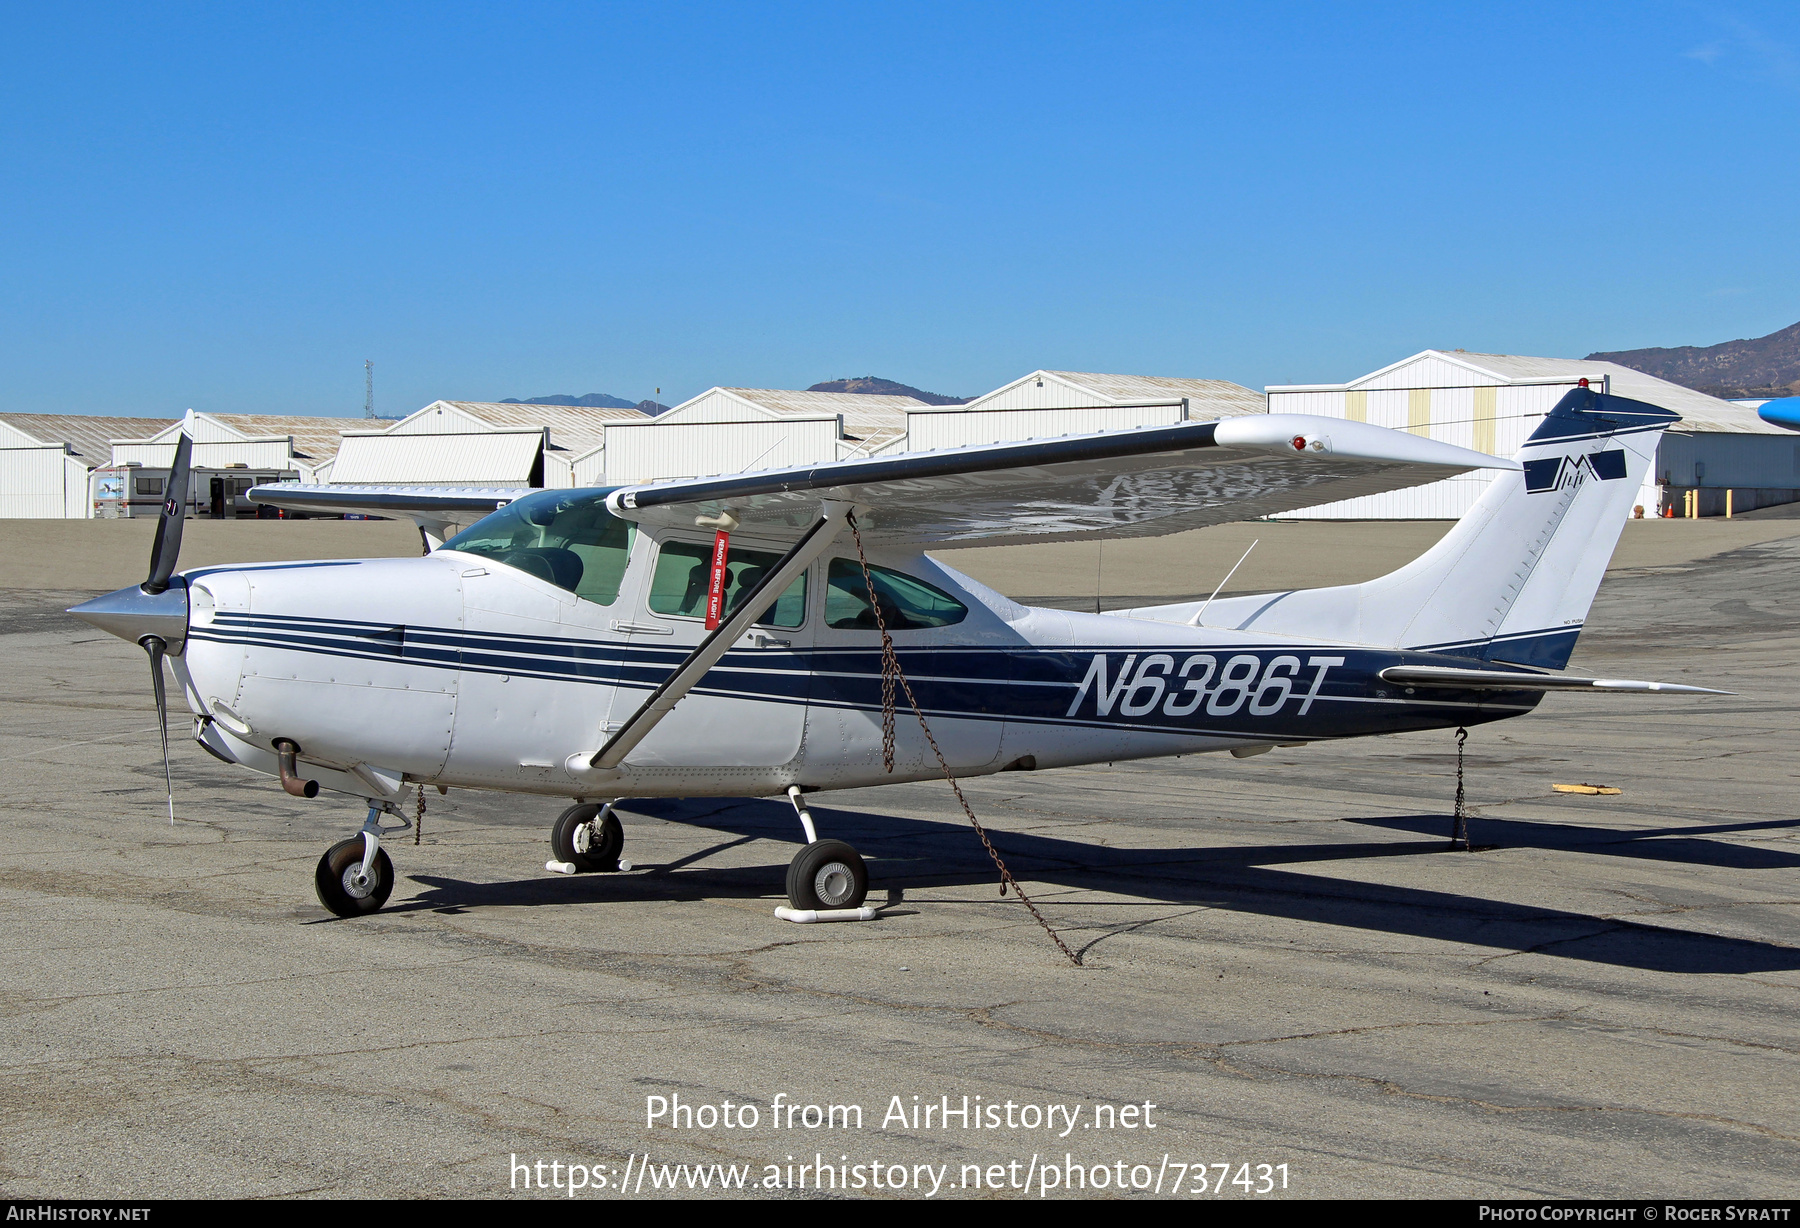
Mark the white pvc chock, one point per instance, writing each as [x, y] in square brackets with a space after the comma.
[807, 916]
[560, 867]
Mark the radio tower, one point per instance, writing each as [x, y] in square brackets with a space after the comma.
[368, 387]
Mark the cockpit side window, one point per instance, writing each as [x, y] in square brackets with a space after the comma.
[907, 604]
[683, 575]
[565, 537]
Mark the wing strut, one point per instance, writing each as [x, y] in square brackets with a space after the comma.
[814, 542]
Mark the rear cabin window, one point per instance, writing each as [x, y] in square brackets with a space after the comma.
[567, 538]
[906, 604]
[684, 571]
[149, 486]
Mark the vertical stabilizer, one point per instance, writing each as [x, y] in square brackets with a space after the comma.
[1513, 580]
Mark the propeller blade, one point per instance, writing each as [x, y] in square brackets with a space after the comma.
[154, 645]
[166, 549]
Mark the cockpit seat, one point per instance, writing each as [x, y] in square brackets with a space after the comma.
[557, 565]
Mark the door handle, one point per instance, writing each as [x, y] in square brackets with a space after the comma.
[641, 628]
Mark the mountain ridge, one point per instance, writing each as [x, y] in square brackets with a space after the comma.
[1766, 366]
[865, 385]
[874, 385]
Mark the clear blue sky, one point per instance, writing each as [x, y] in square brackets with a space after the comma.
[232, 206]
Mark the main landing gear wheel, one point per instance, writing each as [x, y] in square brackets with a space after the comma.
[589, 838]
[827, 874]
[340, 882]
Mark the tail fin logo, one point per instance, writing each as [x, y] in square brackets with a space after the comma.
[1562, 472]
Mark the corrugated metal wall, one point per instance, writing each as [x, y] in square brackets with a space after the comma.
[445, 418]
[491, 458]
[590, 470]
[1029, 394]
[77, 503]
[221, 455]
[712, 406]
[1728, 461]
[1427, 372]
[662, 449]
[956, 428]
[33, 483]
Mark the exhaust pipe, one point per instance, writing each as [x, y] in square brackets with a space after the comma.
[286, 749]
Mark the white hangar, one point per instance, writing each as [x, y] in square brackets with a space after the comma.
[1492, 402]
[45, 460]
[51, 465]
[480, 443]
[279, 443]
[729, 430]
[1050, 403]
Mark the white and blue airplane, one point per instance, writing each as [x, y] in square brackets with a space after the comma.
[720, 636]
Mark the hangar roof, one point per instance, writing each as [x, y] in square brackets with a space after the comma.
[872, 420]
[88, 436]
[315, 439]
[1207, 398]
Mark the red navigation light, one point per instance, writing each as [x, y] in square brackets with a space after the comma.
[1299, 442]
[1582, 381]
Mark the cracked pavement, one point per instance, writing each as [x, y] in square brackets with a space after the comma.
[1282, 954]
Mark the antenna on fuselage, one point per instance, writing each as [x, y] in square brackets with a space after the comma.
[1195, 620]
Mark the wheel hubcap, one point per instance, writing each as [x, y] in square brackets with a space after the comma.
[834, 884]
[356, 886]
[584, 837]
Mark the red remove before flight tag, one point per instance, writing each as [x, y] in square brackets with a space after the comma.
[715, 589]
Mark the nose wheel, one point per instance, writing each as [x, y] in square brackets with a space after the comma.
[355, 877]
[350, 883]
[589, 838]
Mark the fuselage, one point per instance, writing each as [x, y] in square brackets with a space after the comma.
[460, 669]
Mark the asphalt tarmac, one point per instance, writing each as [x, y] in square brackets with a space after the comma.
[1281, 954]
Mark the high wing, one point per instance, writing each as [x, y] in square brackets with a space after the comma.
[1136, 483]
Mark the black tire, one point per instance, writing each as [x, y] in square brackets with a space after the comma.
[827, 874]
[604, 845]
[345, 898]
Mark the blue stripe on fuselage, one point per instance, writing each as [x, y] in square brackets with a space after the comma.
[1273, 693]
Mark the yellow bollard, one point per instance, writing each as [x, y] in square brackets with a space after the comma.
[1728, 504]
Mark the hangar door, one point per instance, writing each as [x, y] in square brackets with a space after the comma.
[485, 458]
[37, 484]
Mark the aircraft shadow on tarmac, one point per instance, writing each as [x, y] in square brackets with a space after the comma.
[912, 852]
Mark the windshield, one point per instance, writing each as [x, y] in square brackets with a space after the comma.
[566, 537]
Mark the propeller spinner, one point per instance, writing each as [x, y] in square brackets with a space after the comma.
[154, 614]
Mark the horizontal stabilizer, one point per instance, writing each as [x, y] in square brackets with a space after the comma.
[1507, 680]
